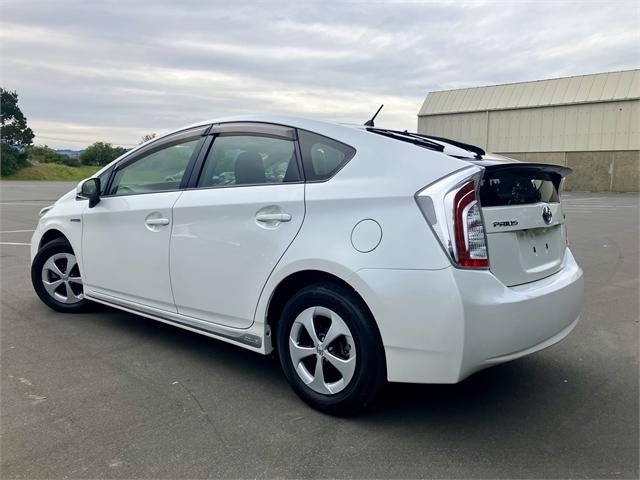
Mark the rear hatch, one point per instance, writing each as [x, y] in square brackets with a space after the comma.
[524, 221]
[526, 238]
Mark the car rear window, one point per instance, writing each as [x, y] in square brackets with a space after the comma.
[517, 188]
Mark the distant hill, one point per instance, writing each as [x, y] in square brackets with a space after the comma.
[70, 153]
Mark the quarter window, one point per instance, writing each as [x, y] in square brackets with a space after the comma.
[249, 160]
[322, 156]
[159, 171]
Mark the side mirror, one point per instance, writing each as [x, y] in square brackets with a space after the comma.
[90, 189]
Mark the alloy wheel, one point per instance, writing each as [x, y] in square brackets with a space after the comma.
[322, 350]
[61, 278]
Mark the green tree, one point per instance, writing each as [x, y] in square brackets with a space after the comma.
[13, 123]
[44, 154]
[146, 138]
[14, 134]
[100, 153]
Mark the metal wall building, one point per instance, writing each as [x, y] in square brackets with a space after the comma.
[590, 123]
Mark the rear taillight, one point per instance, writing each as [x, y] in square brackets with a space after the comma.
[469, 228]
[452, 209]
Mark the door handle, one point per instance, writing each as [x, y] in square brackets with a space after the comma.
[157, 221]
[273, 217]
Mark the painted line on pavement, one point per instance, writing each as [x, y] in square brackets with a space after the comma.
[43, 202]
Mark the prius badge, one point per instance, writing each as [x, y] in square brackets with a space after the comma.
[506, 223]
[547, 215]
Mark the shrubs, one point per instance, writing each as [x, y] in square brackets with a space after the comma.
[15, 158]
[48, 155]
[100, 153]
[12, 159]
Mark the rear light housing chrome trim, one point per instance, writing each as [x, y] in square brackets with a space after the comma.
[451, 207]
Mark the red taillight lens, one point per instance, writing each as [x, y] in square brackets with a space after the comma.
[451, 207]
[471, 246]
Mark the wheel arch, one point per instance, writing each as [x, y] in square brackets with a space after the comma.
[50, 235]
[296, 281]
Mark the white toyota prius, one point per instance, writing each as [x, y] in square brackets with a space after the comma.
[360, 255]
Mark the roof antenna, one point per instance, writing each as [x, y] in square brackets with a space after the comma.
[369, 123]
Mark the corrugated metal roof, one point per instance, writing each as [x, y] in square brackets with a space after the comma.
[597, 87]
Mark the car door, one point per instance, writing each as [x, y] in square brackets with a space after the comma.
[244, 208]
[125, 240]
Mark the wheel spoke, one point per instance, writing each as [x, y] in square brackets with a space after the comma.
[77, 280]
[318, 383]
[65, 298]
[71, 296]
[346, 367]
[51, 287]
[298, 352]
[306, 319]
[53, 267]
[71, 262]
[337, 328]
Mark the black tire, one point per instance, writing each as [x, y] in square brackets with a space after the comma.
[55, 247]
[369, 376]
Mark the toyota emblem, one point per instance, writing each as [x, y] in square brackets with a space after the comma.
[547, 215]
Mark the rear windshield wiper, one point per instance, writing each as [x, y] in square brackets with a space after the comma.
[465, 146]
[413, 138]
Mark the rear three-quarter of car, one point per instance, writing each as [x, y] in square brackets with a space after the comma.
[388, 256]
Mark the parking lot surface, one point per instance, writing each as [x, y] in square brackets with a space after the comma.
[114, 395]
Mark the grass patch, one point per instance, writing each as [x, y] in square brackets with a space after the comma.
[53, 172]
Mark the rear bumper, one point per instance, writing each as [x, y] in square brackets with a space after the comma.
[441, 326]
[504, 323]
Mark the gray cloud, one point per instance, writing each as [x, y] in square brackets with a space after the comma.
[98, 70]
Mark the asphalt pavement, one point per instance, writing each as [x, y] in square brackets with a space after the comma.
[113, 395]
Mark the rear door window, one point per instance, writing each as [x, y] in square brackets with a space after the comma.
[244, 159]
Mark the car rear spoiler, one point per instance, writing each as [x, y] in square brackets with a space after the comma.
[550, 171]
[523, 167]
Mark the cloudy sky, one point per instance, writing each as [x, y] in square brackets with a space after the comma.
[115, 70]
